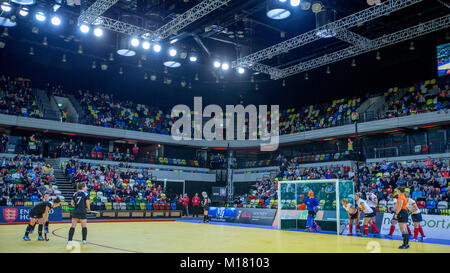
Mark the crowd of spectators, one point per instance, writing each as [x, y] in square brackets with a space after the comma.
[17, 99]
[25, 178]
[428, 181]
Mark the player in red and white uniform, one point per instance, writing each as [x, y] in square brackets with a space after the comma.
[353, 216]
[372, 201]
[416, 216]
[368, 214]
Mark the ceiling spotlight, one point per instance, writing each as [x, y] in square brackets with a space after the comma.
[183, 55]
[139, 63]
[157, 48]
[44, 41]
[283, 83]
[31, 51]
[225, 66]
[172, 52]
[104, 67]
[6, 7]
[306, 76]
[24, 2]
[328, 70]
[378, 57]
[145, 76]
[120, 70]
[98, 32]
[94, 65]
[256, 87]
[316, 7]
[295, 3]
[196, 77]
[173, 41]
[64, 58]
[56, 21]
[146, 45]
[153, 77]
[40, 16]
[411, 46]
[217, 64]
[135, 42]
[277, 10]
[172, 64]
[353, 63]
[111, 57]
[24, 12]
[306, 4]
[193, 58]
[241, 70]
[84, 28]
[80, 49]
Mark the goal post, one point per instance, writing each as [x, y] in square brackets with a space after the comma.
[331, 216]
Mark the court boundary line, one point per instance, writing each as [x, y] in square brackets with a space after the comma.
[104, 246]
[99, 221]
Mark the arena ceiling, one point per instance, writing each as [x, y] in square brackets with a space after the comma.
[230, 32]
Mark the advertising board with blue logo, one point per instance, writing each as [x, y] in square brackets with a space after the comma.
[243, 215]
[22, 214]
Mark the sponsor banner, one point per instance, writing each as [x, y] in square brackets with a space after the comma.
[434, 226]
[252, 216]
[222, 214]
[243, 215]
[22, 214]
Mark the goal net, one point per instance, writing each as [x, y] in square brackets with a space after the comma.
[331, 216]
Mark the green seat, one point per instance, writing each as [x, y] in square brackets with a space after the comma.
[137, 206]
[129, 206]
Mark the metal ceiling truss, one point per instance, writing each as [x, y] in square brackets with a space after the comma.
[95, 10]
[90, 15]
[352, 38]
[386, 40]
[352, 20]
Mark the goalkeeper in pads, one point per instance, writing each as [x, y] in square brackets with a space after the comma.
[313, 206]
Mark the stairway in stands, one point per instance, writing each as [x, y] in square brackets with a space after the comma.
[62, 181]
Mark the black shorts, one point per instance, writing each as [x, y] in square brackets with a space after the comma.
[79, 215]
[354, 216]
[374, 211]
[417, 218]
[369, 215]
[312, 213]
[36, 215]
[402, 216]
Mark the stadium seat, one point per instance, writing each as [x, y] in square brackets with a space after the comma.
[129, 206]
[108, 206]
[123, 206]
[149, 206]
[137, 206]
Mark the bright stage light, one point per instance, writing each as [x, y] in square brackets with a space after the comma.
[23, 12]
[24, 2]
[157, 48]
[241, 70]
[135, 42]
[172, 52]
[98, 32]
[40, 16]
[146, 45]
[84, 28]
[193, 58]
[225, 66]
[277, 9]
[6, 7]
[295, 3]
[56, 21]
[217, 64]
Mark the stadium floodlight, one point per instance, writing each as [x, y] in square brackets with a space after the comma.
[146, 45]
[217, 64]
[24, 12]
[193, 58]
[6, 7]
[295, 3]
[84, 28]
[173, 41]
[241, 70]
[40, 16]
[24, 2]
[157, 48]
[172, 52]
[56, 21]
[277, 10]
[134, 42]
[98, 32]
[225, 66]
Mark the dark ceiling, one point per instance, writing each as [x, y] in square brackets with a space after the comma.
[398, 66]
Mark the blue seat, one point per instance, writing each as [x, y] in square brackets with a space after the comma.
[173, 206]
[149, 206]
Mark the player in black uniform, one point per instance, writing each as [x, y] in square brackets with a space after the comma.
[80, 203]
[39, 214]
[205, 204]
[45, 197]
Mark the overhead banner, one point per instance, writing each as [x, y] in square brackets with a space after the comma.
[22, 214]
[434, 226]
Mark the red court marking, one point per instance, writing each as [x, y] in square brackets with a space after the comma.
[110, 247]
